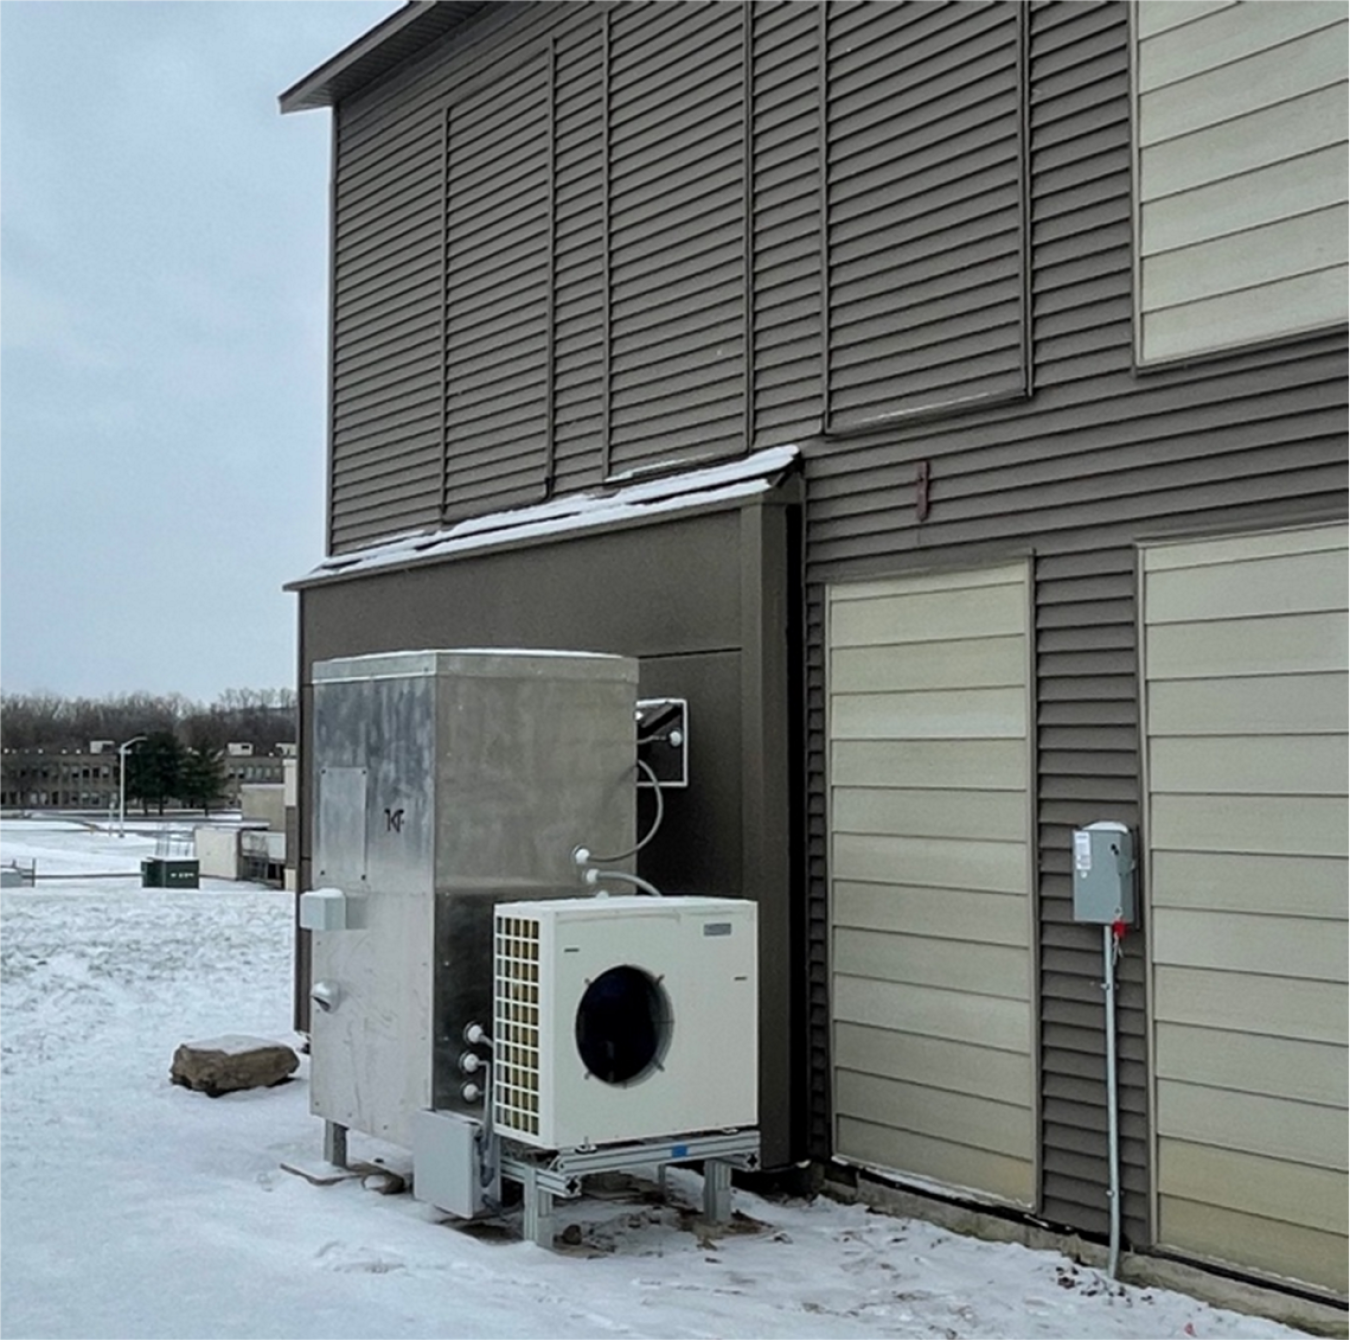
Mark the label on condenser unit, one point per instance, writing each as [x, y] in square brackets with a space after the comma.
[717, 928]
[1082, 850]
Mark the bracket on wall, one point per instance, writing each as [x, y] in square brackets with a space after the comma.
[922, 477]
[663, 740]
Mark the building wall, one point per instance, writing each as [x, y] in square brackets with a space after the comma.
[217, 850]
[1100, 457]
[89, 781]
[253, 770]
[265, 801]
[705, 603]
[1240, 134]
[291, 817]
[630, 276]
[933, 958]
[1245, 691]
[956, 360]
[76, 781]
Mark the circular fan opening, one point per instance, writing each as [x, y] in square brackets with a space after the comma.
[623, 1025]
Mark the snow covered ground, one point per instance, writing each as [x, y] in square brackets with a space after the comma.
[134, 1208]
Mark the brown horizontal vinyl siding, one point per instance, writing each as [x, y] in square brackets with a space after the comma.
[498, 312]
[1087, 726]
[1099, 458]
[385, 435]
[786, 222]
[820, 1122]
[925, 286]
[1080, 130]
[391, 415]
[579, 242]
[675, 218]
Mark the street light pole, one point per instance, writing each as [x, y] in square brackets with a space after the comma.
[122, 783]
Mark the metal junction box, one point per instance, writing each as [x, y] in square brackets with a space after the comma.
[445, 782]
[451, 1167]
[1104, 874]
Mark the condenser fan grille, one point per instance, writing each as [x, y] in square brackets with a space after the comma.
[516, 1024]
[622, 1025]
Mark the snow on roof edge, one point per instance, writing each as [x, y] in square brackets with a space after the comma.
[727, 482]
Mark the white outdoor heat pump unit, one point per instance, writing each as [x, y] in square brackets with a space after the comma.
[621, 1019]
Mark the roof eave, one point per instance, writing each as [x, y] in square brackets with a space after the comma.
[355, 65]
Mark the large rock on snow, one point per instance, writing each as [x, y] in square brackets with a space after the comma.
[235, 1062]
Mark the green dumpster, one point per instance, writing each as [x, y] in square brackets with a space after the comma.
[179, 873]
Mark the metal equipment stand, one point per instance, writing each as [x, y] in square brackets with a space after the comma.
[545, 1175]
[335, 1144]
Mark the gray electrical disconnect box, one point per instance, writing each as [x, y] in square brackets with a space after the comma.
[1104, 874]
[448, 1162]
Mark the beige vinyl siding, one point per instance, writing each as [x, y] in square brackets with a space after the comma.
[1245, 668]
[1240, 125]
[932, 965]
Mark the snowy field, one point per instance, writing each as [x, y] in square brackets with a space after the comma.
[134, 1208]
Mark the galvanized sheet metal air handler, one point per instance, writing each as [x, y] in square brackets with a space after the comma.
[479, 997]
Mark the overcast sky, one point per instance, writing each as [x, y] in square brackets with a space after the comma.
[163, 304]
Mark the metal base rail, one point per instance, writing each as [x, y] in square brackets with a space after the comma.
[544, 1175]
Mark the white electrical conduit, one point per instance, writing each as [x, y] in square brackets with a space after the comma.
[595, 876]
[584, 857]
[1111, 949]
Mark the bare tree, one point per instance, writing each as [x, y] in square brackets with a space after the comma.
[42, 720]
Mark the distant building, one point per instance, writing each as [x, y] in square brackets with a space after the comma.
[87, 780]
[66, 779]
[245, 769]
[262, 847]
[266, 854]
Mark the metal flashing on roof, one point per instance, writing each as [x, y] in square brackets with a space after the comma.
[374, 54]
[725, 485]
